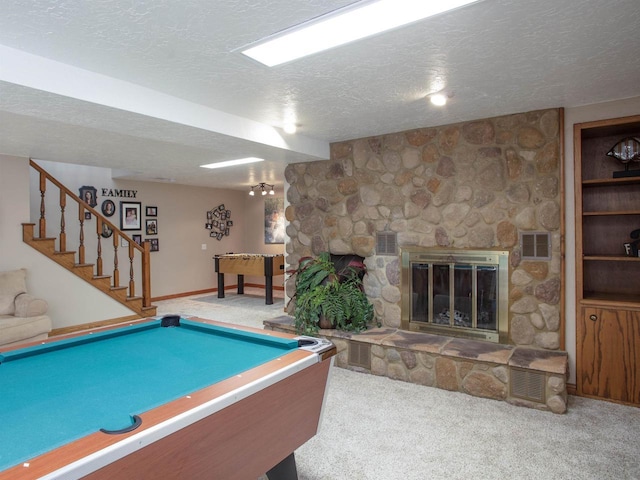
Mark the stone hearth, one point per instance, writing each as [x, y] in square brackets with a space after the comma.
[510, 373]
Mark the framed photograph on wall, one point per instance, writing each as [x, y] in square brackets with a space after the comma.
[89, 195]
[137, 238]
[154, 245]
[108, 208]
[130, 216]
[152, 211]
[151, 226]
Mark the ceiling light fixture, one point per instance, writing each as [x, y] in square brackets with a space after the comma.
[231, 163]
[262, 188]
[438, 99]
[290, 128]
[345, 25]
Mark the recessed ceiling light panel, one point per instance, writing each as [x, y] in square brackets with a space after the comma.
[231, 163]
[346, 25]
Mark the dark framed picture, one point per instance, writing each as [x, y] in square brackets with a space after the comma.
[106, 231]
[87, 215]
[152, 211]
[154, 245]
[151, 227]
[208, 226]
[108, 208]
[89, 195]
[137, 238]
[130, 216]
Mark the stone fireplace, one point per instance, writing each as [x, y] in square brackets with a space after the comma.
[473, 186]
[459, 293]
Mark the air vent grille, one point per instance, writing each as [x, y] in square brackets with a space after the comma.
[535, 246]
[528, 385]
[360, 355]
[386, 243]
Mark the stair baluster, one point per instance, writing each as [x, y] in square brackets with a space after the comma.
[109, 284]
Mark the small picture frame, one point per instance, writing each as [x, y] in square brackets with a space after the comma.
[208, 226]
[151, 226]
[154, 245]
[130, 216]
[87, 215]
[221, 207]
[108, 208]
[89, 195]
[152, 212]
[106, 231]
[137, 238]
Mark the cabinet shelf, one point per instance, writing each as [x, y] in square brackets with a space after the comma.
[600, 299]
[610, 182]
[610, 258]
[607, 213]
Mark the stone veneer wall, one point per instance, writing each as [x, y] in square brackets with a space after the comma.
[476, 184]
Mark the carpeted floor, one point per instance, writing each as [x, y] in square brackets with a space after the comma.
[375, 428]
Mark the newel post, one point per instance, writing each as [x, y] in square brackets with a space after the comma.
[146, 274]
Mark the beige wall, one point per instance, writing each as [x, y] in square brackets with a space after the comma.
[71, 301]
[181, 265]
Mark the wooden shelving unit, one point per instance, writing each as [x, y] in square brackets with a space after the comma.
[607, 279]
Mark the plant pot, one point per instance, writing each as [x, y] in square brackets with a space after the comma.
[325, 323]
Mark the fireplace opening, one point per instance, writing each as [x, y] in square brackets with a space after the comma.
[460, 293]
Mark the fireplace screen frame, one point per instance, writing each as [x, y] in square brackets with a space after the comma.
[473, 258]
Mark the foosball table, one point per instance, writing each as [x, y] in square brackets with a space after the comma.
[243, 264]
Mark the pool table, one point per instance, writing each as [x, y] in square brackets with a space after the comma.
[165, 397]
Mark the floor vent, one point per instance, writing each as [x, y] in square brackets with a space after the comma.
[528, 385]
[360, 355]
[386, 243]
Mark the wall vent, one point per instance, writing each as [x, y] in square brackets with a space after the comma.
[386, 243]
[360, 355]
[535, 246]
[528, 385]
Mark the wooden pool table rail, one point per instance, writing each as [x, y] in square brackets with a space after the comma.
[242, 440]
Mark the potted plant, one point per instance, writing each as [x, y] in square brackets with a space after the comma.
[330, 298]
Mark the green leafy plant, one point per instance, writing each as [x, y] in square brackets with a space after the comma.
[325, 297]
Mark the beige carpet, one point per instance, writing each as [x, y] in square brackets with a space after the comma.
[375, 428]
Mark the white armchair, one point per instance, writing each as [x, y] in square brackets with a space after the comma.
[22, 316]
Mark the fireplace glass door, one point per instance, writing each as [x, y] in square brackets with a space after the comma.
[455, 295]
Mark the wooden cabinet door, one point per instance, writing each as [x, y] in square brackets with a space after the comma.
[609, 355]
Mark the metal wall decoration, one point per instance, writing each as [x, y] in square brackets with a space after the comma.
[626, 151]
[219, 222]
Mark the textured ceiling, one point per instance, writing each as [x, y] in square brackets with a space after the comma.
[159, 87]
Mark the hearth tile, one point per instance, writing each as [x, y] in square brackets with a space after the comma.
[423, 342]
[541, 360]
[375, 335]
[478, 350]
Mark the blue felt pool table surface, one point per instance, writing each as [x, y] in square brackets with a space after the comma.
[54, 393]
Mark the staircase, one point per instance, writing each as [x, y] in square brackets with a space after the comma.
[74, 260]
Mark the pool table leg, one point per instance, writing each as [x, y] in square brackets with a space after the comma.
[240, 284]
[285, 470]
